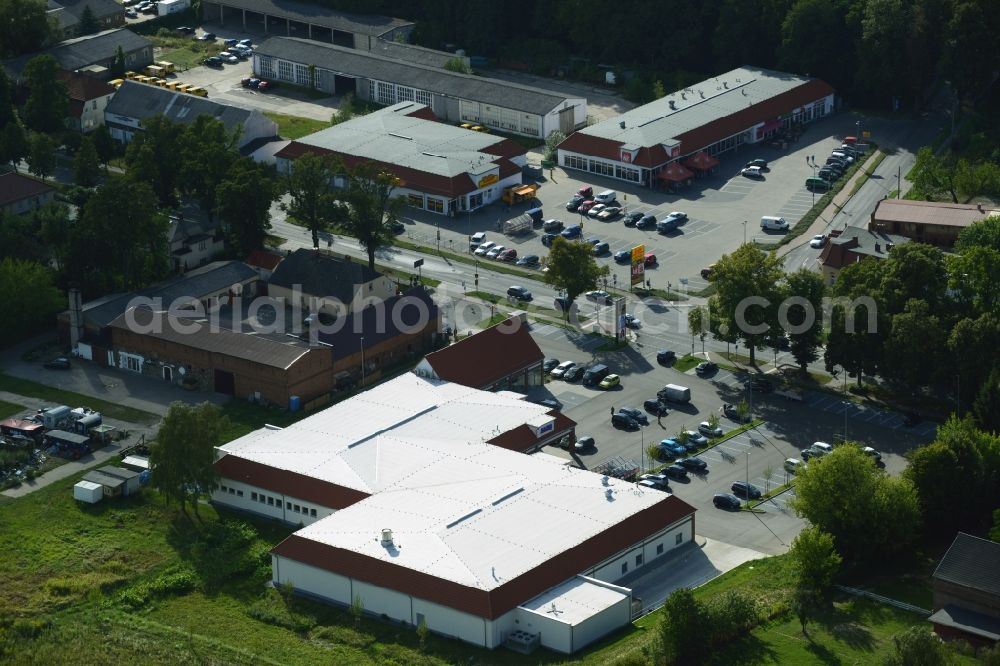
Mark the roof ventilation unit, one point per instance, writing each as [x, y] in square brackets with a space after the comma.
[386, 537]
[673, 106]
[622, 124]
[609, 494]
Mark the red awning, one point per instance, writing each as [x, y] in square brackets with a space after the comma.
[768, 126]
[675, 172]
[701, 161]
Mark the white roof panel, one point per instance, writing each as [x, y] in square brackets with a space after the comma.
[574, 601]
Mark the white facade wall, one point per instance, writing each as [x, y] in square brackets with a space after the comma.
[597, 626]
[92, 115]
[550, 121]
[257, 126]
[452, 623]
[648, 550]
[267, 503]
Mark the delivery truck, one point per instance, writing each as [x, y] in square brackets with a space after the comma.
[674, 393]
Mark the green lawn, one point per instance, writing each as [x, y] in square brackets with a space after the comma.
[32, 389]
[294, 127]
[8, 409]
[185, 52]
[686, 362]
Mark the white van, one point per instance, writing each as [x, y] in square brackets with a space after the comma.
[773, 222]
[606, 197]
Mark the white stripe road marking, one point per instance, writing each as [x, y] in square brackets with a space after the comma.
[875, 415]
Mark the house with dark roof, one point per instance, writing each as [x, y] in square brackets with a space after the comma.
[194, 241]
[318, 281]
[23, 194]
[308, 20]
[744, 106]
[84, 326]
[136, 102]
[503, 357]
[440, 167]
[386, 76]
[88, 98]
[966, 588]
[932, 222]
[67, 13]
[191, 352]
[853, 244]
[93, 55]
[265, 261]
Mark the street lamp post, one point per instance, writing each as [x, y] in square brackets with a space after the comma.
[748, 479]
[744, 232]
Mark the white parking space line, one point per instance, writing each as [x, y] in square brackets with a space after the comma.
[875, 415]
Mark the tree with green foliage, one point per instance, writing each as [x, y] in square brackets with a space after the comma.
[19, 237]
[552, 142]
[48, 100]
[373, 207]
[155, 156]
[41, 156]
[243, 202]
[86, 165]
[871, 517]
[457, 64]
[208, 154]
[25, 27]
[30, 299]
[572, 269]
[345, 111]
[916, 349]
[658, 90]
[119, 65]
[955, 477]
[120, 240]
[986, 407]
[313, 203]
[918, 646]
[7, 113]
[88, 24]
[683, 629]
[14, 145]
[747, 295]
[803, 296]
[932, 176]
[984, 233]
[813, 38]
[105, 146]
[975, 345]
[183, 453]
[51, 225]
[817, 559]
[971, 41]
[975, 276]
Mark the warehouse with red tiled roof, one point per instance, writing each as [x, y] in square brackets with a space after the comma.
[686, 128]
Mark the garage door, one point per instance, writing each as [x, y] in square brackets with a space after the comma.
[225, 382]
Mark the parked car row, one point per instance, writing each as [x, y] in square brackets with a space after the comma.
[836, 165]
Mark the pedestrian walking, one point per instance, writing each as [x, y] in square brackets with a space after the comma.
[612, 410]
[659, 422]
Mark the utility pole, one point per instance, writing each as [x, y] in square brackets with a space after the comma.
[748, 479]
[744, 232]
[899, 182]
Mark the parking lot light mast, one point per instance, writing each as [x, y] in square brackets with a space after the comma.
[748, 479]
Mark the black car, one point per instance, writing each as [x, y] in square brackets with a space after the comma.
[552, 226]
[676, 472]
[548, 238]
[61, 363]
[562, 303]
[635, 414]
[530, 261]
[665, 356]
[730, 411]
[646, 222]
[519, 293]
[828, 174]
[549, 363]
[633, 217]
[759, 385]
[705, 368]
[745, 490]
[574, 203]
[762, 163]
[212, 61]
[185, 30]
[619, 420]
[696, 464]
[574, 373]
[623, 256]
[726, 501]
[656, 407]
[396, 227]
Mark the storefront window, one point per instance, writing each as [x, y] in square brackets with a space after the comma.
[435, 205]
[415, 200]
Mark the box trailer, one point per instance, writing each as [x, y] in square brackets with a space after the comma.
[88, 491]
[56, 417]
[522, 224]
[674, 393]
[516, 194]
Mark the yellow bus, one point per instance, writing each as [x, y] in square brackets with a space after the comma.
[130, 75]
[116, 83]
[168, 67]
[155, 71]
[172, 85]
[200, 92]
[185, 87]
[139, 78]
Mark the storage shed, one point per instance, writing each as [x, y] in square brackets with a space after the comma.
[136, 463]
[88, 491]
[115, 480]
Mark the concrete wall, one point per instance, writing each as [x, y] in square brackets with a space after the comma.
[651, 548]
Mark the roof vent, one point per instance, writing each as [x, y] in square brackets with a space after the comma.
[386, 537]
[622, 125]
[609, 494]
[725, 84]
[605, 480]
[673, 106]
[400, 136]
[683, 96]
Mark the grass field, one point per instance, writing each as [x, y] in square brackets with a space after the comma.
[294, 127]
[131, 576]
[32, 389]
[184, 52]
[8, 409]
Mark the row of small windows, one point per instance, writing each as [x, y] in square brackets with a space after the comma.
[231, 491]
[678, 540]
[273, 501]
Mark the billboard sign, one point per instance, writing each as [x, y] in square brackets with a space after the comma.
[638, 265]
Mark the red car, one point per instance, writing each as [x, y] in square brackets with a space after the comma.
[649, 259]
[507, 255]
[585, 207]
[586, 192]
[265, 86]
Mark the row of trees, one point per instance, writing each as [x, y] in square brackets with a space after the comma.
[871, 50]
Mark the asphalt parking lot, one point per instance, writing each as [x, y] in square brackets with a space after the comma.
[788, 428]
[717, 207]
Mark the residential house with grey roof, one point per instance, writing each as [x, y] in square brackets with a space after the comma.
[441, 168]
[966, 587]
[388, 75]
[137, 102]
[853, 244]
[67, 13]
[93, 54]
[344, 285]
[308, 20]
[23, 194]
[194, 241]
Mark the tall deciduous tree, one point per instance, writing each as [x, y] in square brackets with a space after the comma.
[30, 298]
[24, 27]
[313, 202]
[817, 559]
[243, 201]
[154, 157]
[984, 233]
[804, 291]
[86, 165]
[13, 143]
[42, 155]
[209, 153]
[932, 176]
[88, 24]
[872, 516]
[572, 268]
[48, 100]
[184, 451]
[373, 207]
[971, 42]
[918, 646]
[684, 628]
[915, 351]
[987, 404]
[747, 295]
[105, 146]
[7, 114]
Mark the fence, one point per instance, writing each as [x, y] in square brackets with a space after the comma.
[884, 600]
